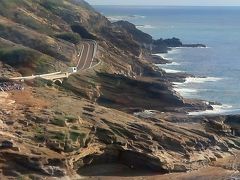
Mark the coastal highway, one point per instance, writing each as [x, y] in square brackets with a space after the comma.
[86, 55]
[85, 61]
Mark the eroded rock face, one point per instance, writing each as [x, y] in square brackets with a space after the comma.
[59, 130]
[81, 133]
[234, 123]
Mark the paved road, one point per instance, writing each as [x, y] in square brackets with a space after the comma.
[85, 61]
[86, 55]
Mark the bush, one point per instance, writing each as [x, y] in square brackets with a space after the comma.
[59, 136]
[70, 37]
[51, 4]
[75, 135]
[59, 121]
[15, 56]
[71, 119]
[75, 127]
[40, 137]
[82, 32]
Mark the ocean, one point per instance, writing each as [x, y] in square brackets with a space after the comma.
[218, 64]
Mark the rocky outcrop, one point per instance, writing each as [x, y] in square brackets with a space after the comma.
[233, 124]
[137, 35]
[75, 133]
[98, 116]
[194, 45]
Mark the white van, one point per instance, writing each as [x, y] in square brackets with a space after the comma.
[72, 69]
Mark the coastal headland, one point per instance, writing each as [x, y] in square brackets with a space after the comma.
[118, 118]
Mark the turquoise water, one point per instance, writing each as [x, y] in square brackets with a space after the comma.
[217, 27]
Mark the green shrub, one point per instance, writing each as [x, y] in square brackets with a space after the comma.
[75, 127]
[40, 137]
[51, 4]
[59, 121]
[70, 37]
[17, 56]
[71, 119]
[82, 31]
[59, 136]
[75, 135]
[26, 60]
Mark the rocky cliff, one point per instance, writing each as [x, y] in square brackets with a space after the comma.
[123, 111]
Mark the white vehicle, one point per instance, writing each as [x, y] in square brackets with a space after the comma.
[72, 69]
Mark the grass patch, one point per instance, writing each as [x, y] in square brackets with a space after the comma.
[59, 121]
[71, 119]
[40, 135]
[60, 136]
[74, 136]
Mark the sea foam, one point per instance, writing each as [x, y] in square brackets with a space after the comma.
[171, 70]
[128, 17]
[201, 79]
[185, 91]
[147, 26]
[217, 109]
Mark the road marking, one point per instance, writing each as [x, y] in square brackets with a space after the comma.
[86, 56]
[94, 53]
[80, 56]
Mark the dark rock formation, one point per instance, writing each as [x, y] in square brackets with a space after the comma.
[194, 45]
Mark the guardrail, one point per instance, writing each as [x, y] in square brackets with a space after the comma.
[35, 76]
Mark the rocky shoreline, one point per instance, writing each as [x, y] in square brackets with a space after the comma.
[120, 119]
[181, 78]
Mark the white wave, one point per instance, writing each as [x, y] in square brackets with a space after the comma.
[159, 54]
[201, 80]
[172, 64]
[185, 90]
[217, 109]
[137, 16]
[147, 26]
[164, 57]
[192, 47]
[128, 17]
[171, 70]
[176, 84]
[173, 51]
[115, 18]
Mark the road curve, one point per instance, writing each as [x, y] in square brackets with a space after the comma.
[86, 56]
[85, 61]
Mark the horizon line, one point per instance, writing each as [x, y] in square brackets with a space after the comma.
[165, 5]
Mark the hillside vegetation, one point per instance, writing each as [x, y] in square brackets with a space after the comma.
[41, 31]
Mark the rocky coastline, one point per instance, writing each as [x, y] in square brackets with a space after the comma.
[120, 119]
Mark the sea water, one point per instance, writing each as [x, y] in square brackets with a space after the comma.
[218, 64]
